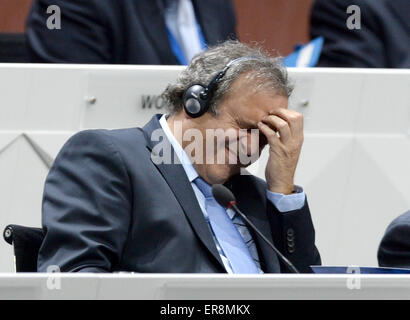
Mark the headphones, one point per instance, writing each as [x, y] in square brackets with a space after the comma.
[197, 97]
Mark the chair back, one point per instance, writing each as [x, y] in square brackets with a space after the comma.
[26, 242]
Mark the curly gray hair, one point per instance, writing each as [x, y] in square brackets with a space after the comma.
[264, 73]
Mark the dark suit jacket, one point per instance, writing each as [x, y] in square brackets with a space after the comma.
[107, 207]
[394, 249]
[117, 31]
[382, 42]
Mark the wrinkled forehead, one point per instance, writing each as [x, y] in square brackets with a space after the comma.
[248, 106]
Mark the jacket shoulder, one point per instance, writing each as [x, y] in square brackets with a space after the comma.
[402, 221]
[101, 141]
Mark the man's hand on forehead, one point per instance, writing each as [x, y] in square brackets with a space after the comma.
[284, 149]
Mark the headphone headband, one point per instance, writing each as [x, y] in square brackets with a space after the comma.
[197, 97]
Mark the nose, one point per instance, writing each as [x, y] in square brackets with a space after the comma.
[250, 143]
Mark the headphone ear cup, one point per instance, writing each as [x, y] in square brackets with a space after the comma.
[194, 105]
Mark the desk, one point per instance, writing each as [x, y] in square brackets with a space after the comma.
[206, 287]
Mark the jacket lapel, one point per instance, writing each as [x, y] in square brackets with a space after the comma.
[151, 14]
[175, 176]
[253, 206]
[209, 25]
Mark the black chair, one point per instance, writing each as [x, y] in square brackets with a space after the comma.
[26, 242]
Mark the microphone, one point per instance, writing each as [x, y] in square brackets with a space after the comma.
[226, 199]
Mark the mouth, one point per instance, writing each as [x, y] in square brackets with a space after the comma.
[236, 151]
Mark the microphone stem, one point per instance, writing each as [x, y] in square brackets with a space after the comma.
[289, 264]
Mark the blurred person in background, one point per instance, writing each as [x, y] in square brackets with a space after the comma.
[168, 32]
[394, 249]
[382, 39]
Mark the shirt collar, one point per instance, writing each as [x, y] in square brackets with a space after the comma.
[179, 151]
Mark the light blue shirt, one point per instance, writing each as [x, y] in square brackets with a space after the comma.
[282, 202]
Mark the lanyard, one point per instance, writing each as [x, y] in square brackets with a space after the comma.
[176, 48]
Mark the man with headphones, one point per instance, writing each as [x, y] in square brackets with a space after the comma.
[113, 201]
